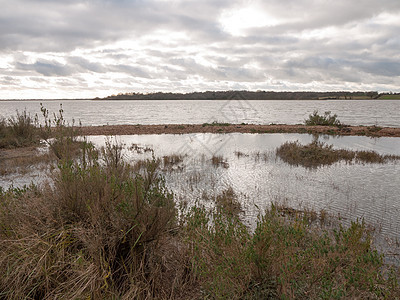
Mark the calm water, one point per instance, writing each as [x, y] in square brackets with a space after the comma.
[352, 112]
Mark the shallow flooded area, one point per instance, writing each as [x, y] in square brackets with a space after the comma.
[197, 167]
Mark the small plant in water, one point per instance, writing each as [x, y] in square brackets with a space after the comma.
[318, 153]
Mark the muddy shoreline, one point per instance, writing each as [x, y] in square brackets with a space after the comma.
[372, 131]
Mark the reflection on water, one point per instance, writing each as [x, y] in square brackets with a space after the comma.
[352, 112]
[355, 190]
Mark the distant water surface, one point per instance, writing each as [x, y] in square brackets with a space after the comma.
[352, 112]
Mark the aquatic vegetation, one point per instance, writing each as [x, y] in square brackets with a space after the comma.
[318, 154]
[171, 160]
[228, 201]
[219, 161]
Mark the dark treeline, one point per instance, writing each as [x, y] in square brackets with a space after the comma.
[247, 95]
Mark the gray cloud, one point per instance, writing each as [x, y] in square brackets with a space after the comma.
[46, 68]
[78, 45]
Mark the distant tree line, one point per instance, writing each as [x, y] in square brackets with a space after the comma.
[247, 95]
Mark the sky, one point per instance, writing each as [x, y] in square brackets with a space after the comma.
[96, 48]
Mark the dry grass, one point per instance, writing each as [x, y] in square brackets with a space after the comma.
[318, 154]
[19, 131]
[97, 233]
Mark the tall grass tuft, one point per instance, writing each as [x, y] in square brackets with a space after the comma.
[95, 234]
[61, 137]
[18, 131]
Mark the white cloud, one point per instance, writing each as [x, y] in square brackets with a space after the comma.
[80, 48]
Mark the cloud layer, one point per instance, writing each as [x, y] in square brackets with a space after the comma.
[89, 48]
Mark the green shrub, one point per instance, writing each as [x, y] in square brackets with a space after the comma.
[218, 243]
[325, 120]
[305, 264]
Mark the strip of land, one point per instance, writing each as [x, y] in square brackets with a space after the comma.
[373, 131]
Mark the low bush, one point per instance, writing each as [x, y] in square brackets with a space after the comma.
[215, 123]
[325, 120]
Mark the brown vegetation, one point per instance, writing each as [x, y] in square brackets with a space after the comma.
[317, 154]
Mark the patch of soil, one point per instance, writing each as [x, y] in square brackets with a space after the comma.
[230, 128]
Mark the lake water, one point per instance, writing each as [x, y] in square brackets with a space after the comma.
[352, 112]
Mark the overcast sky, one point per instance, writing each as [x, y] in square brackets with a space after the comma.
[90, 48]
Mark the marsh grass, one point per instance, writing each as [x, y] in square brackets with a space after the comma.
[285, 258]
[60, 136]
[103, 229]
[240, 154]
[141, 149]
[96, 233]
[318, 154]
[19, 131]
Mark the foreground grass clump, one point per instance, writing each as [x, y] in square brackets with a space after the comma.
[19, 131]
[284, 259]
[318, 153]
[95, 234]
[325, 120]
[22, 131]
